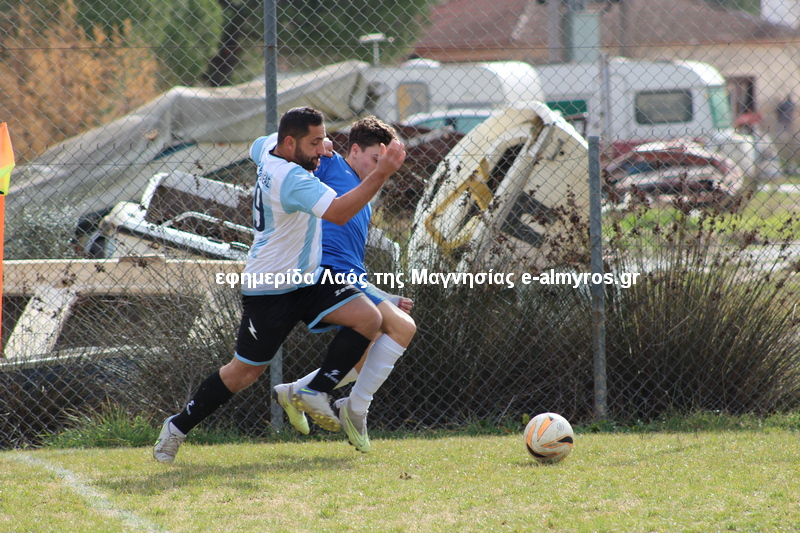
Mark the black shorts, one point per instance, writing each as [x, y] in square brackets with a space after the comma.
[267, 320]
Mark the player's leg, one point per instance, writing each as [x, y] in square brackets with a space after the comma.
[283, 395]
[349, 378]
[345, 306]
[285, 390]
[398, 330]
[358, 314]
[257, 342]
[376, 296]
[215, 391]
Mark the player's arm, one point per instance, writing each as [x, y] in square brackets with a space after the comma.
[345, 207]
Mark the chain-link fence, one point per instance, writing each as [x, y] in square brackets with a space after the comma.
[129, 213]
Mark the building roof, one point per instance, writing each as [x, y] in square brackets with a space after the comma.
[522, 25]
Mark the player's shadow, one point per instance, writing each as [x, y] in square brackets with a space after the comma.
[679, 448]
[533, 463]
[241, 476]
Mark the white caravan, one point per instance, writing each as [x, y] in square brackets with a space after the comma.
[421, 86]
[197, 130]
[638, 100]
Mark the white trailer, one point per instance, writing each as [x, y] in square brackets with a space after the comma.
[423, 86]
[638, 100]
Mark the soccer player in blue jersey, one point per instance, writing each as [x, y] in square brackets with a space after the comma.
[289, 203]
[343, 252]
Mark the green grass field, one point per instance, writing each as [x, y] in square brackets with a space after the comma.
[745, 480]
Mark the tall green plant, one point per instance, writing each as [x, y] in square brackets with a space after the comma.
[183, 33]
[749, 6]
[316, 33]
[190, 32]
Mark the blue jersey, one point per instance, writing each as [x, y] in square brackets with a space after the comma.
[343, 246]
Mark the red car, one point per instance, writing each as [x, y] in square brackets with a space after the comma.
[670, 171]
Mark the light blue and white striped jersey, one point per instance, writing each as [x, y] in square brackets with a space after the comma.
[288, 202]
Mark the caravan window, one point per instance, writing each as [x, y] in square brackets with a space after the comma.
[412, 98]
[659, 107]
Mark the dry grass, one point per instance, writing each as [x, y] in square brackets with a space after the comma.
[56, 80]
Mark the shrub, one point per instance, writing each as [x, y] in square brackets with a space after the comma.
[711, 325]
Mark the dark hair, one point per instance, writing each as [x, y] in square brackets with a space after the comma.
[370, 131]
[296, 121]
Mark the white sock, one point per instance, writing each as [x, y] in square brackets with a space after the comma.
[347, 379]
[379, 364]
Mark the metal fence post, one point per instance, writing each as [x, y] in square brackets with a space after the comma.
[276, 378]
[598, 289]
[271, 65]
[271, 98]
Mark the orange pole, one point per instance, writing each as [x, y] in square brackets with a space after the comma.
[6, 164]
[2, 246]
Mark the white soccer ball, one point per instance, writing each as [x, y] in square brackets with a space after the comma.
[548, 437]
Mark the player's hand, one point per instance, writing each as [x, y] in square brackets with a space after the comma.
[327, 147]
[405, 305]
[391, 158]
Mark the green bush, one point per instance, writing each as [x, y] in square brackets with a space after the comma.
[711, 325]
[183, 33]
[491, 353]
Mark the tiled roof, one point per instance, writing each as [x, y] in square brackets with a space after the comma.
[465, 23]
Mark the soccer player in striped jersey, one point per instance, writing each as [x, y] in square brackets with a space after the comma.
[289, 203]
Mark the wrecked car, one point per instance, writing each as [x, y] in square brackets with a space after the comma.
[513, 192]
[182, 216]
[670, 172]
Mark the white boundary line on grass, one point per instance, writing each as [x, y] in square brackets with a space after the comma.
[94, 498]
